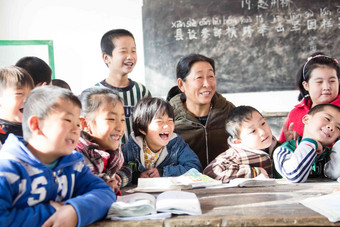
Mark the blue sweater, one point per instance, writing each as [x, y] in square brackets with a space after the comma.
[176, 158]
[27, 186]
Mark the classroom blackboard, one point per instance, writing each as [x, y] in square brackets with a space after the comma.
[257, 45]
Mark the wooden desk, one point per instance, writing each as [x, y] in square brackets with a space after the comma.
[263, 206]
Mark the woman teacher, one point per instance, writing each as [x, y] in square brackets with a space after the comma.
[200, 111]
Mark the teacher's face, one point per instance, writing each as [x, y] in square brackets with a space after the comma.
[200, 85]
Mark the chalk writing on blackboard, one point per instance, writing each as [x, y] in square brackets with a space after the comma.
[258, 45]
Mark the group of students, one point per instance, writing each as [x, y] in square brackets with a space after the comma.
[64, 157]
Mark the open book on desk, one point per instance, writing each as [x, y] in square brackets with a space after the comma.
[147, 205]
[190, 179]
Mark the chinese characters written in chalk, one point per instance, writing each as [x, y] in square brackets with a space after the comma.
[262, 24]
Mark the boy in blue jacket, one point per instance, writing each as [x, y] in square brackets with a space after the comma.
[43, 181]
[153, 150]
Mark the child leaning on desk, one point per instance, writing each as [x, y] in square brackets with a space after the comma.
[310, 155]
[153, 149]
[251, 146]
[103, 126]
[43, 181]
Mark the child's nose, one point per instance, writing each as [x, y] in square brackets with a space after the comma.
[330, 127]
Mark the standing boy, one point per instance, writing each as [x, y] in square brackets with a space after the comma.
[120, 55]
[15, 85]
[296, 160]
[43, 181]
[251, 147]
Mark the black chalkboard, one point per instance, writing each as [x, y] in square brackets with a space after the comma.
[258, 45]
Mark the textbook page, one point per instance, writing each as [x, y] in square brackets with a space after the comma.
[136, 204]
[156, 184]
[141, 206]
[196, 179]
[178, 202]
[326, 205]
[259, 181]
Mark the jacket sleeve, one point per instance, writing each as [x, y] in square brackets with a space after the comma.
[295, 166]
[125, 174]
[332, 169]
[91, 196]
[226, 167]
[186, 158]
[12, 187]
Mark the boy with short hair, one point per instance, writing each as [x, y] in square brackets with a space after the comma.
[39, 70]
[15, 85]
[251, 146]
[296, 160]
[43, 179]
[120, 55]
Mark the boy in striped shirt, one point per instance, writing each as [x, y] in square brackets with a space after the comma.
[311, 155]
[119, 54]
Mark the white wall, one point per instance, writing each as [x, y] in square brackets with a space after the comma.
[76, 28]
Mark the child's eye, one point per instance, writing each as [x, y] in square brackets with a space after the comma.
[263, 123]
[252, 132]
[111, 119]
[68, 120]
[327, 118]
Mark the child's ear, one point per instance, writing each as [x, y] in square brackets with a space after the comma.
[180, 84]
[34, 125]
[83, 125]
[106, 58]
[236, 141]
[305, 85]
[141, 131]
[305, 119]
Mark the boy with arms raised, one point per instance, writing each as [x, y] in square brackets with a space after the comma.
[308, 156]
[251, 146]
[120, 55]
[15, 85]
[43, 181]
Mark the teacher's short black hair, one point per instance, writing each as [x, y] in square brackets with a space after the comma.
[184, 65]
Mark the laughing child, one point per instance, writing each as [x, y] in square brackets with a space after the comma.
[154, 150]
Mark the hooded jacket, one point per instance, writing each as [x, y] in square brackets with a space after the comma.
[208, 140]
[27, 186]
[176, 158]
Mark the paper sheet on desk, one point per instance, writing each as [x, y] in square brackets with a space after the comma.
[327, 205]
[259, 181]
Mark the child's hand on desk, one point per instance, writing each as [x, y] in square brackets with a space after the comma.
[150, 173]
[114, 183]
[264, 172]
[65, 215]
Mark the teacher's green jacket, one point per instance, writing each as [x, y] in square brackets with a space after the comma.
[208, 140]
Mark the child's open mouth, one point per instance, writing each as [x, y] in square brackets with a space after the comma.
[21, 110]
[164, 135]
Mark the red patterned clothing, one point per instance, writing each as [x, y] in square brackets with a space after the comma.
[103, 163]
